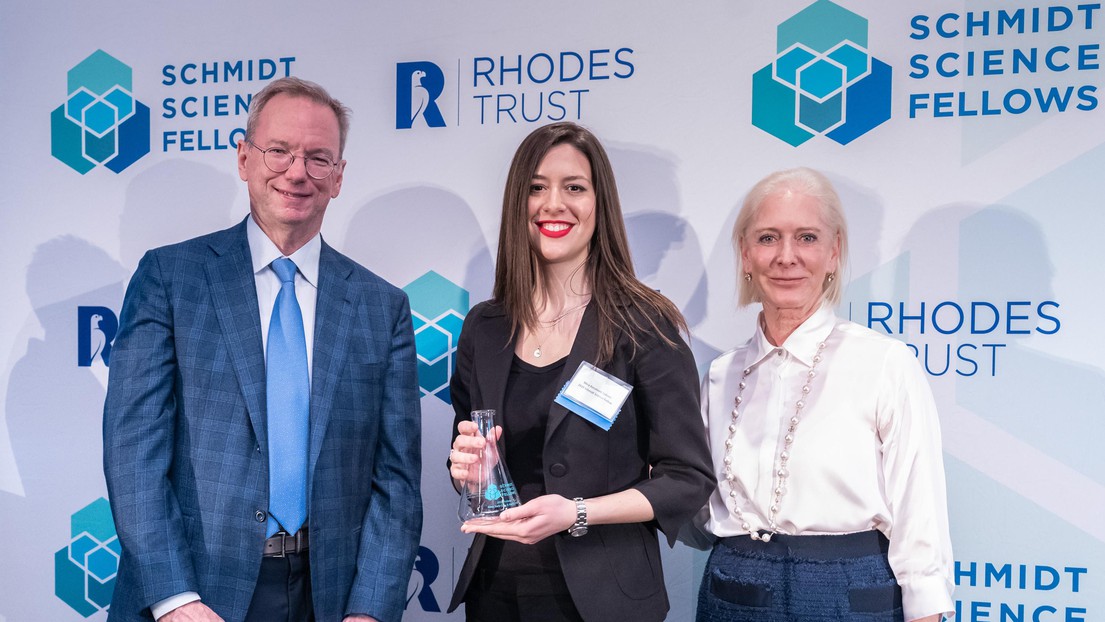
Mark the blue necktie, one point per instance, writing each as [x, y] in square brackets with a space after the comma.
[288, 393]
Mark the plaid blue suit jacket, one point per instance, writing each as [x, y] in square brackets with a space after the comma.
[185, 443]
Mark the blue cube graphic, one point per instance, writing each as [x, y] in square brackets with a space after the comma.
[84, 569]
[100, 121]
[438, 308]
[823, 81]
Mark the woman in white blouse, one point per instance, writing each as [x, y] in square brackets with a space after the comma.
[824, 436]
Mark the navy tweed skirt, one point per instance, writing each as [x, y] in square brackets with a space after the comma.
[800, 579]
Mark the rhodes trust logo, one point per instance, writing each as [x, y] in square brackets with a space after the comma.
[100, 122]
[420, 586]
[823, 81]
[84, 569]
[511, 86]
[438, 308]
[417, 87]
[96, 328]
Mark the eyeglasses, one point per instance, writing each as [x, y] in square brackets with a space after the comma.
[280, 160]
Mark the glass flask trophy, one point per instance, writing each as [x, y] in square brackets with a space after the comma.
[489, 489]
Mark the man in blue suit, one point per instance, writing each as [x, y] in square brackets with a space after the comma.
[262, 424]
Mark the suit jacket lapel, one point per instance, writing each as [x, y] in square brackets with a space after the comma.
[333, 316]
[585, 348]
[234, 294]
[492, 373]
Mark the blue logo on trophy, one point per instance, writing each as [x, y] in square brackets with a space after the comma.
[492, 493]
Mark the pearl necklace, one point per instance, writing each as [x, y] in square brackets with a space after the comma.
[781, 474]
[551, 324]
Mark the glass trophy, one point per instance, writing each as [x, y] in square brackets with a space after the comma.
[489, 489]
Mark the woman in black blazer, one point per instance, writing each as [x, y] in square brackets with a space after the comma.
[583, 544]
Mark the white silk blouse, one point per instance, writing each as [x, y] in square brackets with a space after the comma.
[866, 453]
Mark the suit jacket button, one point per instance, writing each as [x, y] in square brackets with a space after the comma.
[558, 470]
[260, 516]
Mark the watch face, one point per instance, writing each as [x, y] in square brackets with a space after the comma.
[577, 530]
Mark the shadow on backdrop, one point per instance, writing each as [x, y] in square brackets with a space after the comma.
[405, 233]
[200, 202]
[665, 248]
[667, 257]
[54, 412]
[1046, 401]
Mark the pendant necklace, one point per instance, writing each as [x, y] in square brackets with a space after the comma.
[781, 473]
[551, 324]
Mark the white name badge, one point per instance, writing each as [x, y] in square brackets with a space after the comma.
[594, 395]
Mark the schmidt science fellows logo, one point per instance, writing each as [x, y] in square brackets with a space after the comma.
[100, 122]
[84, 570]
[823, 80]
[438, 308]
[417, 87]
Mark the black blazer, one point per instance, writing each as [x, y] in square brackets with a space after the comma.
[657, 445]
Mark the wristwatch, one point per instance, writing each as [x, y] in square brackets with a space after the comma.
[580, 526]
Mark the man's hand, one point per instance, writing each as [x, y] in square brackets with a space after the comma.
[194, 611]
[359, 618]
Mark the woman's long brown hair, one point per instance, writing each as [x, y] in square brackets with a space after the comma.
[620, 298]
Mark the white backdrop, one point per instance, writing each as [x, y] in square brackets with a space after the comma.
[975, 212]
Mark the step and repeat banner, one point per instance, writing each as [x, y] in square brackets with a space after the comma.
[966, 139]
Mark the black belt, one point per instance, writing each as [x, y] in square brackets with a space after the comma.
[282, 543]
[819, 547]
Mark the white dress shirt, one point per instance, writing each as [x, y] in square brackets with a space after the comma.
[263, 252]
[866, 453]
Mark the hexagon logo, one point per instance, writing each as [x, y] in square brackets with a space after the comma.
[84, 569]
[823, 81]
[100, 123]
[438, 307]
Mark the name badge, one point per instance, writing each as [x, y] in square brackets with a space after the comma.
[594, 395]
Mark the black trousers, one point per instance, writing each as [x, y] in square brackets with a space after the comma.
[283, 592]
[510, 597]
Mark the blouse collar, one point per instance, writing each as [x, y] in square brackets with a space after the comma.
[802, 343]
